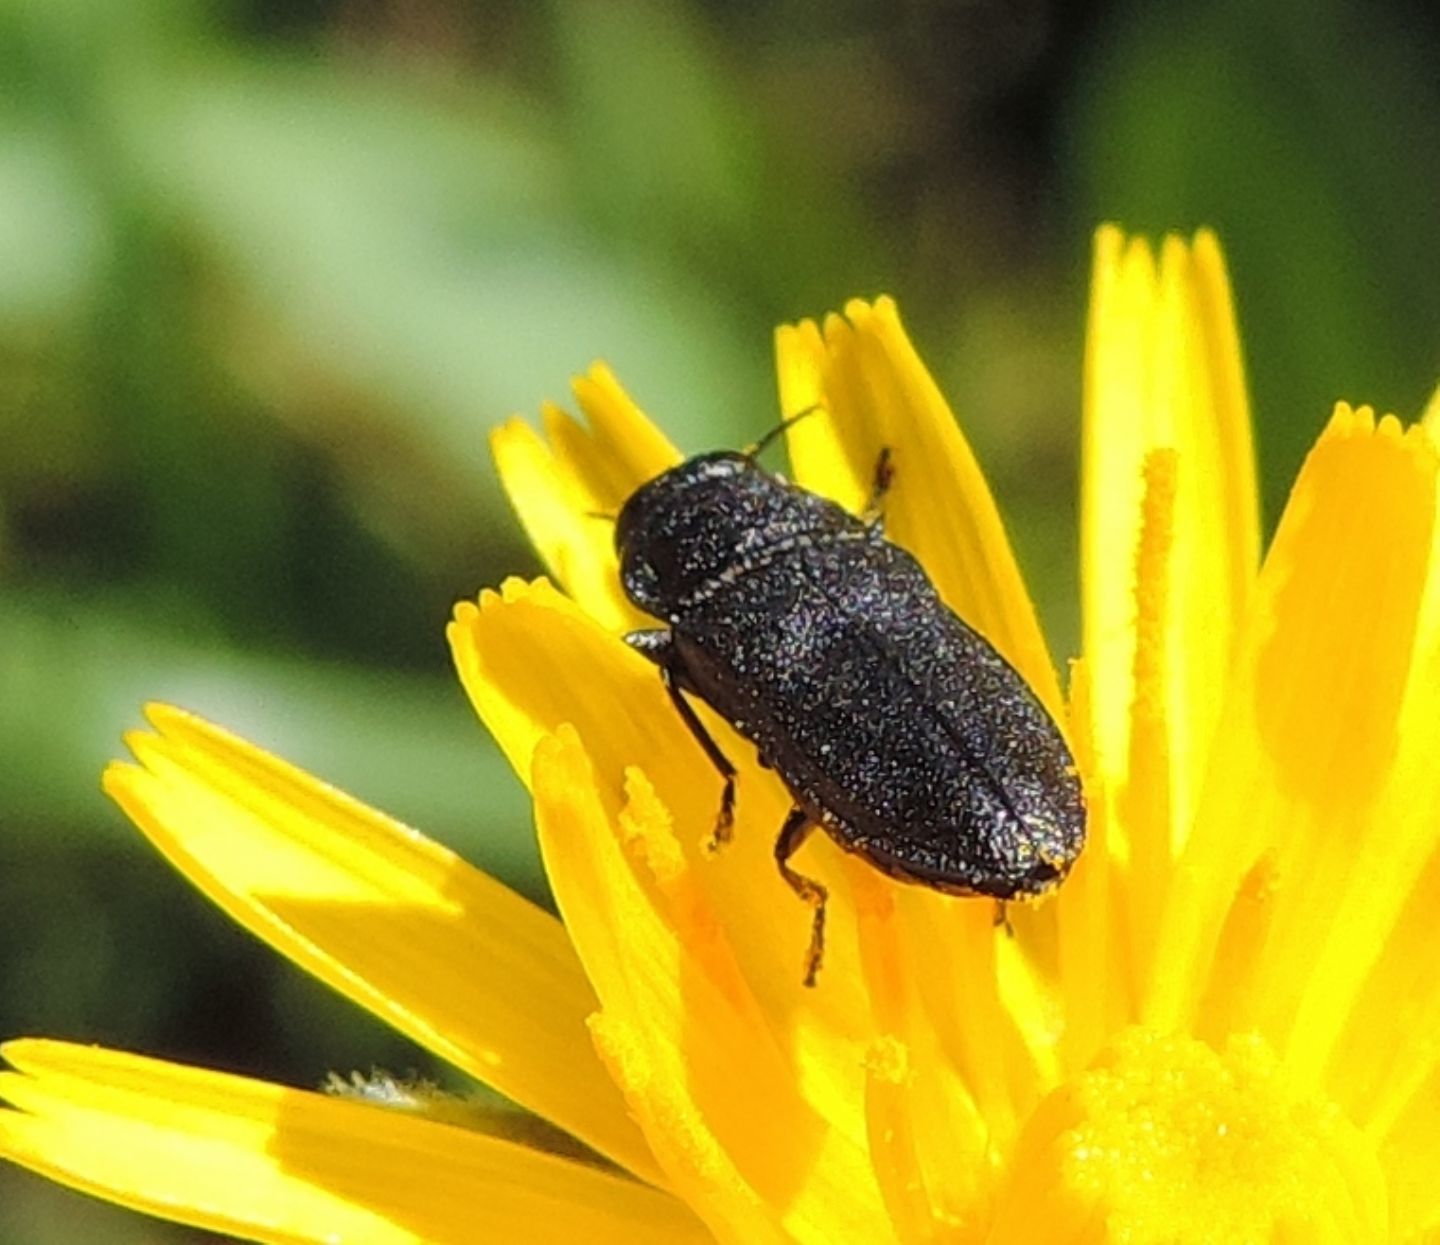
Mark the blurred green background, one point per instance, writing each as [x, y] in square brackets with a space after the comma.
[269, 272]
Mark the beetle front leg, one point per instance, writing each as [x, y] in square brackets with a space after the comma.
[658, 645]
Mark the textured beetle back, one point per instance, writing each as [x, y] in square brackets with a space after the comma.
[895, 725]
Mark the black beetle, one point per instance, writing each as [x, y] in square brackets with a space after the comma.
[895, 726]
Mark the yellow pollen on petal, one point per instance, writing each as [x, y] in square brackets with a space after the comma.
[1145, 800]
[647, 833]
[687, 1140]
[1163, 372]
[935, 1113]
[1165, 1139]
[887, 1060]
[890, 1130]
[647, 830]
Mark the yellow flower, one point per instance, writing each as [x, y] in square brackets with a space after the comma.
[1221, 1027]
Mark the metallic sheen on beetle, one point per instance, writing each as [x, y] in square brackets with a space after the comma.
[896, 727]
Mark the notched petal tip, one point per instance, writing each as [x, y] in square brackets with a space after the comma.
[1163, 378]
[863, 312]
[117, 776]
[531, 659]
[512, 589]
[1205, 244]
[622, 433]
[1350, 421]
[513, 434]
[560, 481]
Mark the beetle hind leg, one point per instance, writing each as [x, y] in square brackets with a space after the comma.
[874, 513]
[793, 833]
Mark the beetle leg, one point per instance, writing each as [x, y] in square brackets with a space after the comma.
[874, 514]
[1002, 918]
[725, 819]
[793, 833]
[657, 645]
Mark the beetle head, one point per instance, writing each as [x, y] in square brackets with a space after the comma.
[683, 528]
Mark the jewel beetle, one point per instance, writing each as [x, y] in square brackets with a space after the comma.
[896, 727]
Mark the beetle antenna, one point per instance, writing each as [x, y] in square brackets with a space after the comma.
[601, 514]
[760, 446]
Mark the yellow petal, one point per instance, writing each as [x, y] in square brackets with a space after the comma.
[711, 1082]
[1431, 415]
[531, 661]
[564, 483]
[889, 1111]
[952, 1077]
[1318, 813]
[1096, 987]
[1165, 1139]
[1169, 528]
[1382, 1065]
[259, 1161]
[395, 922]
[875, 393]
[1409, 1146]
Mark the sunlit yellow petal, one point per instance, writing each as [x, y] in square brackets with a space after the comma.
[558, 515]
[1095, 981]
[875, 393]
[1319, 811]
[1431, 415]
[950, 1078]
[1167, 451]
[513, 653]
[1409, 1146]
[531, 661]
[1386, 1068]
[1221, 1027]
[1382, 1066]
[266, 1163]
[712, 1084]
[564, 484]
[888, 1098]
[396, 922]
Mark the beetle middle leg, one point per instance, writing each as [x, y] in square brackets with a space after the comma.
[658, 646]
[793, 833]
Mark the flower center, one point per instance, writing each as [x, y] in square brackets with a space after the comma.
[1164, 1139]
